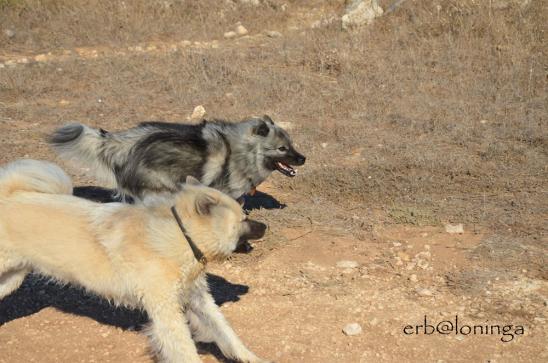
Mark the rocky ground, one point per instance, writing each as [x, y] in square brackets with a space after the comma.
[423, 197]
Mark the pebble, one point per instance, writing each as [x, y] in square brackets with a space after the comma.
[454, 228]
[230, 35]
[352, 329]
[347, 264]
[413, 278]
[41, 58]
[9, 33]
[241, 30]
[374, 321]
[424, 292]
[198, 113]
[273, 34]
[286, 125]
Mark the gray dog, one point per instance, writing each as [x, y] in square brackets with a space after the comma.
[156, 157]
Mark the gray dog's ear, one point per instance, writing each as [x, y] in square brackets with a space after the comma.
[268, 119]
[204, 203]
[192, 180]
[261, 129]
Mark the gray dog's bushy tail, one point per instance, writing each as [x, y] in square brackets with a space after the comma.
[66, 134]
[87, 147]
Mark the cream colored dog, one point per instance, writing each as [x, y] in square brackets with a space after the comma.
[134, 255]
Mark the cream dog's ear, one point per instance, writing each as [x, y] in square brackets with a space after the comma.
[192, 180]
[204, 204]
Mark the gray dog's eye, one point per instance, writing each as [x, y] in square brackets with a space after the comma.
[282, 149]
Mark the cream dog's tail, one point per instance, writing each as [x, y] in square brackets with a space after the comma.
[34, 176]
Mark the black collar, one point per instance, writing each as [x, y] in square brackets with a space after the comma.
[195, 250]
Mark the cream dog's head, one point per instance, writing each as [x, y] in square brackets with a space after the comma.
[215, 222]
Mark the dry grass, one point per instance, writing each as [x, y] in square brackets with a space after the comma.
[431, 114]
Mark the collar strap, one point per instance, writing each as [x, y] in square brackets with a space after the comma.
[195, 250]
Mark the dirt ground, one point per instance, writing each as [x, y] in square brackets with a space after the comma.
[435, 114]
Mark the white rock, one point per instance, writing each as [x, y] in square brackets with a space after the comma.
[361, 12]
[41, 58]
[273, 34]
[198, 113]
[10, 33]
[230, 35]
[347, 264]
[352, 329]
[454, 228]
[241, 30]
[250, 2]
[424, 292]
[285, 125]
[324, 145]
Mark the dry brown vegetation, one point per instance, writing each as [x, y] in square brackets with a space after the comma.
[435, 113]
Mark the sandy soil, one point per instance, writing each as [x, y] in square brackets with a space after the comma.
[361, 237]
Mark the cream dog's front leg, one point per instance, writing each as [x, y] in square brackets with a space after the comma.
[169, 330]
[209, 325]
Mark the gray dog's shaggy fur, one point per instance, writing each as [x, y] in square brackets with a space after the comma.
[156, 157]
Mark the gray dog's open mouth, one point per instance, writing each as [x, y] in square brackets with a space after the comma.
[285, 169]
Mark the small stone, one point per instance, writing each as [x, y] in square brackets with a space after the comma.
[346, 264]
[241, 30]
[352, 329]
[404, 256]
[41, 58]
[63, 102]
[324, 145]
[10, 33]
[374, 322]
[454, 228]
[285, 125]
[483, 122]
[413, 278]
[361, 12]
[424, 292]
[230, 35]
[273, 34]
[198, 113]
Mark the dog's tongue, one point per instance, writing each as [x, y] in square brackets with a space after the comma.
[285, 169]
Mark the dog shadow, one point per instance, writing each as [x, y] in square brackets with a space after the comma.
[37, 293]
[102, 195]
[98, 194]
[261, 201]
